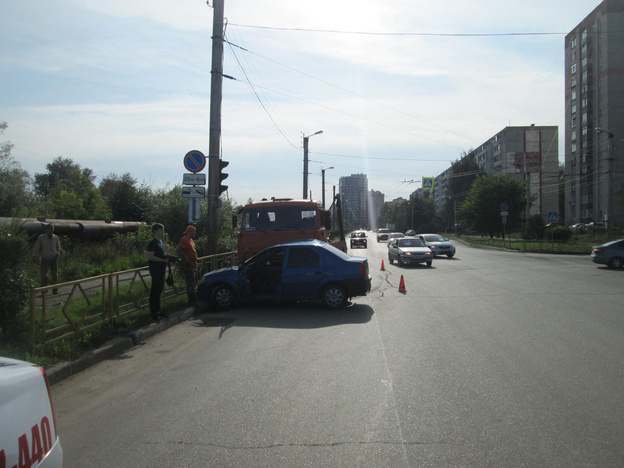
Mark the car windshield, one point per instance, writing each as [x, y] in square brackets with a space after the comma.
[434, 238]
[410, 243]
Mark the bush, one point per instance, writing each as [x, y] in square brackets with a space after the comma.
[562, 233]
[14, 283]
[536, 227]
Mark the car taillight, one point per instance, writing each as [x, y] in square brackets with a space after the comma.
[363, 268]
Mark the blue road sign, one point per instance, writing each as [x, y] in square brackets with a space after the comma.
[553, 217]
[194, 161]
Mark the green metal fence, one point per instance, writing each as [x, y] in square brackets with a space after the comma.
[82, 305]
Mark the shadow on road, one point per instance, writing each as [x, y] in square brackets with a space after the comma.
[282, 315]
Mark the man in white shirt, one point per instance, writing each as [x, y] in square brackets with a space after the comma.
[48, 248]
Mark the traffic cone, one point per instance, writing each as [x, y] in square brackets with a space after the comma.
[383, 268]
[402, 285]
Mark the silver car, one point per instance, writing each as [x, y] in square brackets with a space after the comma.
[610, 254]
[409, 250]
[439, 245]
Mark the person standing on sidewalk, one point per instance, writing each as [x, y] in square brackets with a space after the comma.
[158, 268]
[188, 254]
[48, 248]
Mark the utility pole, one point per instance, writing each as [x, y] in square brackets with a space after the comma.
[216, 97]
[305, 163]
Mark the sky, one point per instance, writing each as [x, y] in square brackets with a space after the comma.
[400, 89]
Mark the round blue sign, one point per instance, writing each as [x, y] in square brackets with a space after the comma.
[194, 161]
[504, 206]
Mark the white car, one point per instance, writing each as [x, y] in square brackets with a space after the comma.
[439, 245]
[28, 435]
[409, 250]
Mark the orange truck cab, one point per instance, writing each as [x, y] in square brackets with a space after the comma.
[280, 220]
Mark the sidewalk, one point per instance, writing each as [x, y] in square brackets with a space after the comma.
[61, 371]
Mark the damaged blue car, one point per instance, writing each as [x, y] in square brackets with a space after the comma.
[309, 270]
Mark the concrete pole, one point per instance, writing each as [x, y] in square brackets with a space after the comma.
[305, 167]
[216, 97]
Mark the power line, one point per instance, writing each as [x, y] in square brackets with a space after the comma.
[405, 34]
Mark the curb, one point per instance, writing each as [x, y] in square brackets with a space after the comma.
[116, 346]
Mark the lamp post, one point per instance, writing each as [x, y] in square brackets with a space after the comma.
[323, 177]
[305, 163]
[609, 221]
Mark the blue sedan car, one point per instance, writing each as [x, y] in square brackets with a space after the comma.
[610, 254]
[309, 270]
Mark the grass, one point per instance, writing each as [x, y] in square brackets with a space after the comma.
[71, 348]
[580, 244]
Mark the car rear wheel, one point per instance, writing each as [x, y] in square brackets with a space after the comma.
[616, 262]
[222, 297]
[334, 296]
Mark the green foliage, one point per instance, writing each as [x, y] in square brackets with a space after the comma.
[561, 233]
[68, 192]
[126, 201]
[418, 214]
[463, 172]
[536, 227]
[166, 206]
[15, 195]
[66, 172]
[15, 284]
[481, 209]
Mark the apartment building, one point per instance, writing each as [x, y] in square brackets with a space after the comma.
[594, 119]
[353, 193]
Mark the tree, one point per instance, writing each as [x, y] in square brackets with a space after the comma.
[417, 214]
[67, 191]
[67, 172]
[463, 172]
[482, 207]
[126, 201]
[15, 195]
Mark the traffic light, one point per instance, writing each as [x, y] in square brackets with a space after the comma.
[222, 176]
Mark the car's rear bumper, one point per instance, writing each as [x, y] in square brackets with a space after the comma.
[359, 286]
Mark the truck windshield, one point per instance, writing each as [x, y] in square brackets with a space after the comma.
[279, 217]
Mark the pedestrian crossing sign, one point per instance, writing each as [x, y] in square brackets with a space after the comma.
[427, 183]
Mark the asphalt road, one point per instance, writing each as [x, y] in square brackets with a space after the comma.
[491, 358]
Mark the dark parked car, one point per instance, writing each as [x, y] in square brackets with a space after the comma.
[309, 270]
[409, 250]
[439, 245]
[610, 254]
[358, 239]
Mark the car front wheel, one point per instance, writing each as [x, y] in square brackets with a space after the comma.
[334, 296]
[222, 297]
[450, 255]
[616, 262]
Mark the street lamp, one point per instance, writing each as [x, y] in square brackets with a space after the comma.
[610, 135]
[305, 163]
[323, 176]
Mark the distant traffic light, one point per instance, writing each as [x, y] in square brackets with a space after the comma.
[222, 176]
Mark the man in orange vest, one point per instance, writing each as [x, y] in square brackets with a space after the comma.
[187, 253]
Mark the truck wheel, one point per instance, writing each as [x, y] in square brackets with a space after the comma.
[334, 296]
[222, 297]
